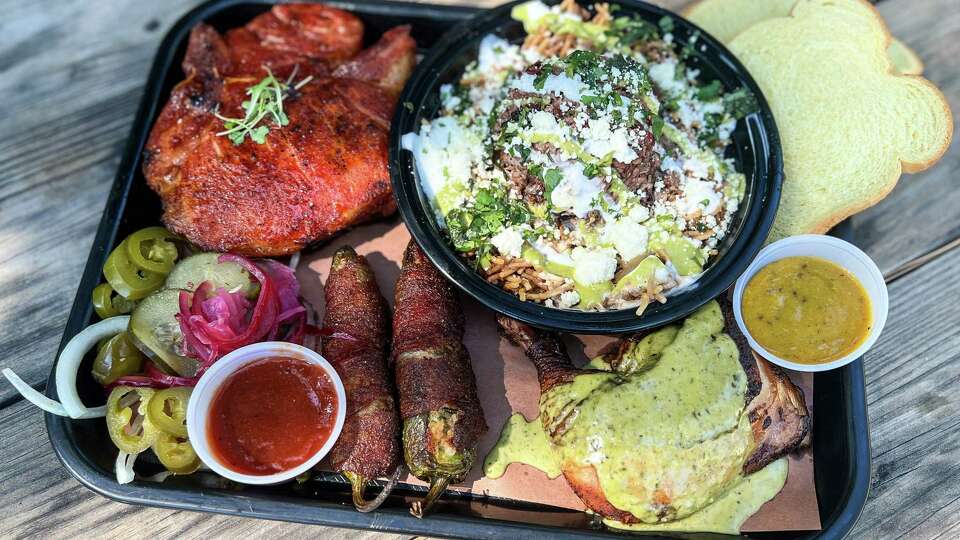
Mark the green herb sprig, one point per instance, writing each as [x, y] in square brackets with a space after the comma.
[265, 102]
[470, 228]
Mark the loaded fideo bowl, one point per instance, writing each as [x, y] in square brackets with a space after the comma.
[752, 148]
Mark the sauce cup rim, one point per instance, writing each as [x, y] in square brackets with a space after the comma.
[212, 380]
[817, 245]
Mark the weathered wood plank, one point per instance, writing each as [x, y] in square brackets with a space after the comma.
[912, 376]
[71, 76]
[40, 499]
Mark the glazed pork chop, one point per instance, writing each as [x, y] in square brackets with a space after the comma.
[323, 172]
[771, 417]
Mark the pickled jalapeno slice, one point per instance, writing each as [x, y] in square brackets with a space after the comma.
[152, 250]
[126, 278]
[127, 423]
[168, 410]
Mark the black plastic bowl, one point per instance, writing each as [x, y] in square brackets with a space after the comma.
[755, 148]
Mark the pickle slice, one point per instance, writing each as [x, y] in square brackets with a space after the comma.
[156, 330]
[189, 273]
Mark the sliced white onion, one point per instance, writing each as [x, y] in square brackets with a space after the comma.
[33, 396]
[70, 404]
[124, 467]
[69, 364]
[158, 478]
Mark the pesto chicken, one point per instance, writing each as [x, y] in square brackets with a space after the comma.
[669, 423]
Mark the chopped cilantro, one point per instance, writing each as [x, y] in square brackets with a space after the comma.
[680, 72]
[740, 103]
[628, 31]
[587, 64]
[710, 91]
[541, 79]
[656, 125]
[601, 202]
[551, 179]
[607, 159]
[470, 228]
[590, 100]
[666, 24]
[408, 106]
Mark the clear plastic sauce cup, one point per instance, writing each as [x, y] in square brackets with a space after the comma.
[837, 251]
[210, 383]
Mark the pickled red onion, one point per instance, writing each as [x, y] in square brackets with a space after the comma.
[215, 323]
[154, 378]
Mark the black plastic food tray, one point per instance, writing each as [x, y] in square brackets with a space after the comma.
[841, 452]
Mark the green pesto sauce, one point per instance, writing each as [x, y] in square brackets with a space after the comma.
[686, 257]
[522, 442]
[727, 514]
[639, 276]
[638, 355]
[672, 430]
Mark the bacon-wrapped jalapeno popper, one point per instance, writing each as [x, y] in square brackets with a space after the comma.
[369, 446]
[442, 417]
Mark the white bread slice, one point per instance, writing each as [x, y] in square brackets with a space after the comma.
[724, 19]
[904, 59]
[848, 125]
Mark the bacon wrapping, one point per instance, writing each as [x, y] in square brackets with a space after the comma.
[442, 416]
[356, 315]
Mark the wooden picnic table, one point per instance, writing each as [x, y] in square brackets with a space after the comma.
[71, 76]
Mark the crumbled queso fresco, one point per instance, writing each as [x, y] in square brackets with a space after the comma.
[600, 173]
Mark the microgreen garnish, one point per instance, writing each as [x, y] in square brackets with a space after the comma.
[264, 102]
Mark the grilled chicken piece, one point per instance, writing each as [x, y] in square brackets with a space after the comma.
[323, 172]
[775, 408]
